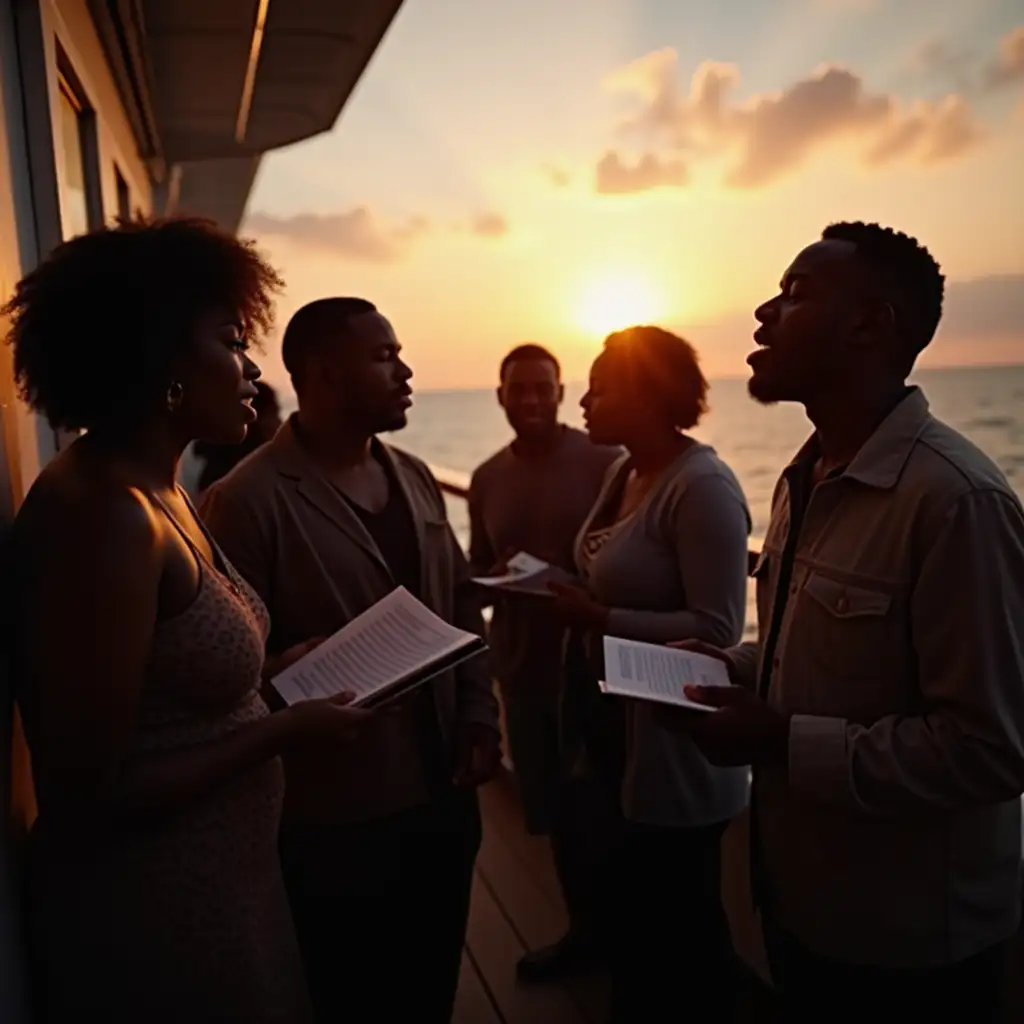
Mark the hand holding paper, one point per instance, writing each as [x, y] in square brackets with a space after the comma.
[743, 730]
[576, 608]
[525, 574]
[659, 674]
[393, 646]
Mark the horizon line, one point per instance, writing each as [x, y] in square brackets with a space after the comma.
[951, 368]
[460, 389]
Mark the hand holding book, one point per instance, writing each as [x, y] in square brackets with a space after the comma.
[328, 718]
[390, 649]
[744, 729]
[660, 674]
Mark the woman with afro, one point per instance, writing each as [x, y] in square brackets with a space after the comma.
[154, 888]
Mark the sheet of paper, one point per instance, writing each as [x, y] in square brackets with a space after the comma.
[390, 642]
[528, 575]
[520, 568]
[651, 672]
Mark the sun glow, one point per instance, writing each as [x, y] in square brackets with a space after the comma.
[614, 301]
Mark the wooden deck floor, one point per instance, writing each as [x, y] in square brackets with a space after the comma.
[517, 907]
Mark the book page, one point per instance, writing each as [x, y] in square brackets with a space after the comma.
[650, 672]
[392, 641]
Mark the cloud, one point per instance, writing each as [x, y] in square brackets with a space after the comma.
[967, 70]
[355, 234]
[778, 132]
[982, 322]
[555, 174]
[489, 225]
[359, 234]
[615, 177]
[845, 6]
[935, 131]
[771, 134]
[1007, 67]
[947, 61]
[985, 307]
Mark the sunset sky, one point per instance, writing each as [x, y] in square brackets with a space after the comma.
[511, 171]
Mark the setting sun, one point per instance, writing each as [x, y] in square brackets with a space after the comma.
[615, 301]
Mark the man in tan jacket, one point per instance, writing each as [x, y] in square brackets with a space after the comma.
[883, 704]
[379, 839]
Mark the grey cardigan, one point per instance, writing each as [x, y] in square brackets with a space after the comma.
[675, 570]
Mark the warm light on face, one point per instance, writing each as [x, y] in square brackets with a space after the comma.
[616, 301]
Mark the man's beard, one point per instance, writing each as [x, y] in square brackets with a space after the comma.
[761, 393]
[393, 425]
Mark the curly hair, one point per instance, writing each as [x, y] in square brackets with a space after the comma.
[665, 369]
[97, 326]
[905, 270]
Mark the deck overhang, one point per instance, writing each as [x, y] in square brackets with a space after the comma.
[211, 85]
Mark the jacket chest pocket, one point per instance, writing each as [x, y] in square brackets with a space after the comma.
[852, 632]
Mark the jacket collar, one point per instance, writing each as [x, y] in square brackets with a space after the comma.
[882, 457]
[293, 462]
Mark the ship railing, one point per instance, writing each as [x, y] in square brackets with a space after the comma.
[456, 485]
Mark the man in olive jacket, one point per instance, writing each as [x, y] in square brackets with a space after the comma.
[378, 839]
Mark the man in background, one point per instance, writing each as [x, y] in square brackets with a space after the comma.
[882, 706]
[533, 496]
[220, 459]
[379, 839]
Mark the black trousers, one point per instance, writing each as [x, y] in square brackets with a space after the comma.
[586, 830]
[813, 988]
[585, 837]
[381, 910]
[673, 955]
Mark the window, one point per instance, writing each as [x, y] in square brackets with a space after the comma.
[76, 149]
[74, 203]
[124, 195]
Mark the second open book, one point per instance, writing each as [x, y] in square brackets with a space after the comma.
[391, 648]
[655, 673]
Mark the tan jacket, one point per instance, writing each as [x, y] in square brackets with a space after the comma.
[311, 560]
[895, 836]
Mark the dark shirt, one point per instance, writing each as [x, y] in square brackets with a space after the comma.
[800, 480]
[394, 532]
[537, 505]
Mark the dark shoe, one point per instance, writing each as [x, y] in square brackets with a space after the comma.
[571, 955]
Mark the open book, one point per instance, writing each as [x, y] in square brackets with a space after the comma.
[650, 672]
[391, 648]
[526, 575]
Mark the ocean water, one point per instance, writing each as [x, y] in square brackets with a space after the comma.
[454, 431]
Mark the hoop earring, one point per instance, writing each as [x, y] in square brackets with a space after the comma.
[175, 395]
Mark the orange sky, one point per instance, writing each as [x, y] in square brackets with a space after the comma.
[489, 184]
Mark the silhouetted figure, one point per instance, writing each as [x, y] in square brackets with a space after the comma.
[882, 705]
[155, 892]
[220, 459]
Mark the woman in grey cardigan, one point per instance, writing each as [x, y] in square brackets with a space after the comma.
[663, 555]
